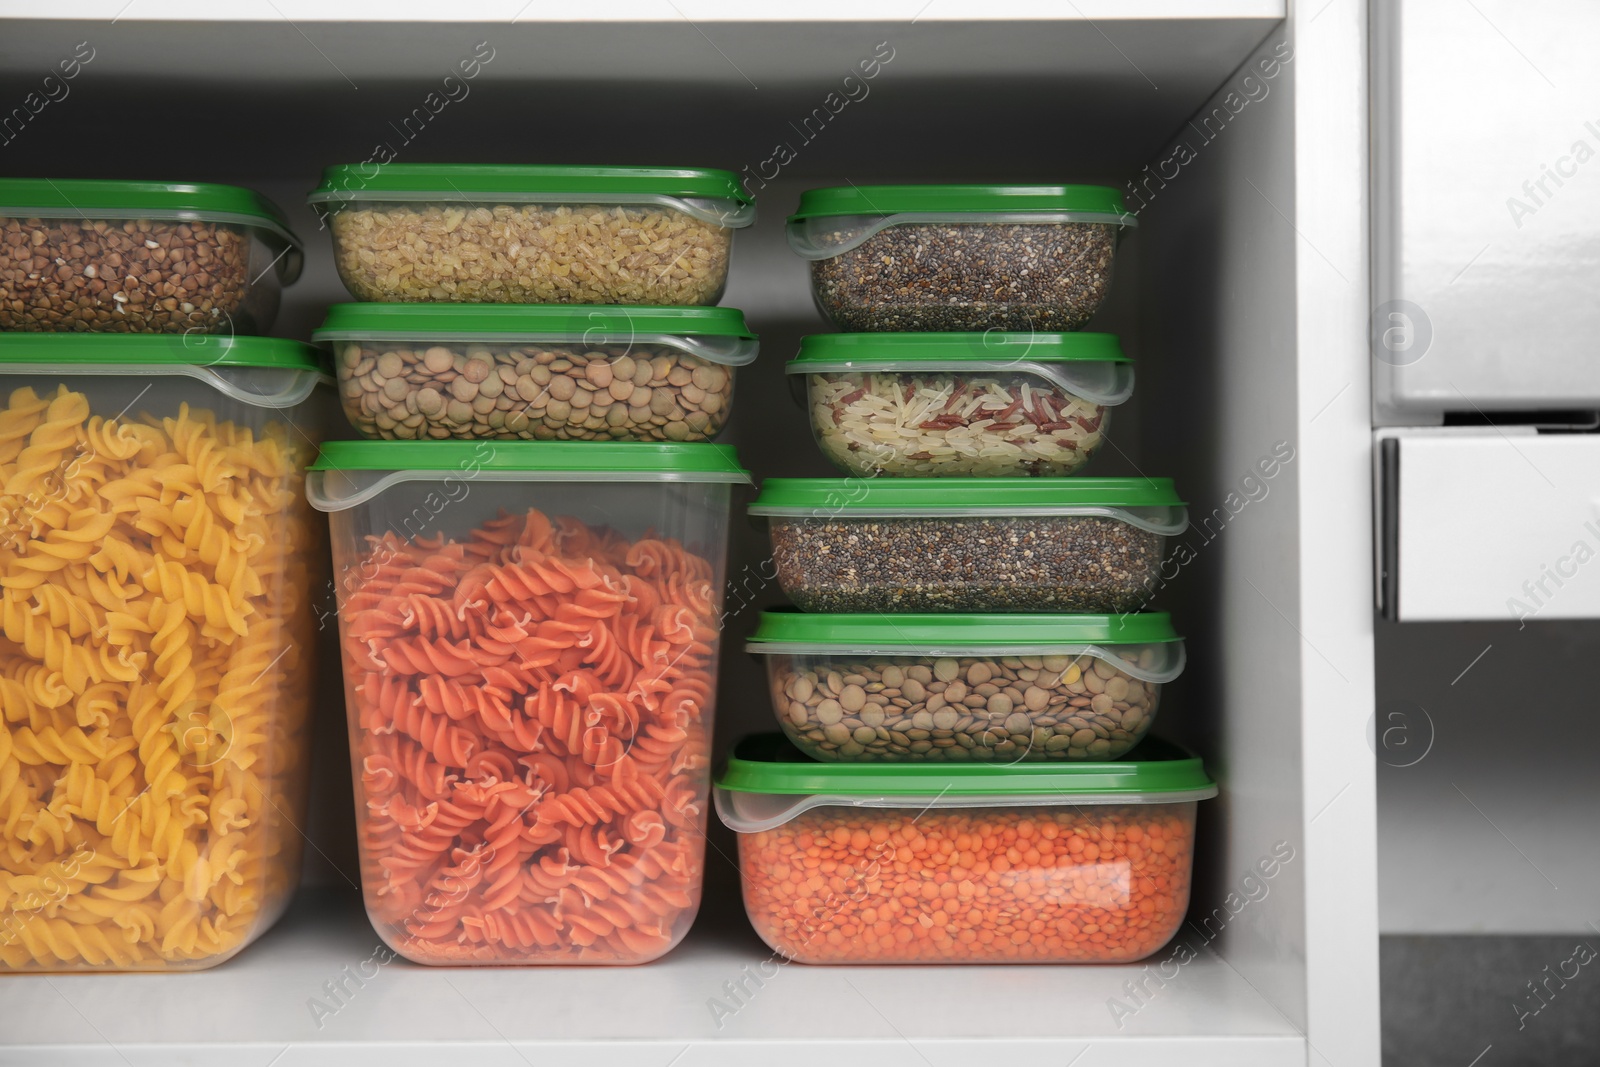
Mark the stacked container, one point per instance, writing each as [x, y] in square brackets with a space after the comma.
[530, 557]
[972, 615]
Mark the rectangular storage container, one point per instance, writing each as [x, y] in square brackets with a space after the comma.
[159, 563]
[923, 863]
[971, 544]
[966, 688]
[519, 234]
[908, 258]
[548, 373]
[530, 636]
[91, 256]
[953, 404]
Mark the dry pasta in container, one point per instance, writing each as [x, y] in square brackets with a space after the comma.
[970, 544]
[92, 256]
[930, 863]
[959, 257]
[537, 372]
[966, 688]
[952, 404]
[532, 234]
[157, 560]
[530, 634]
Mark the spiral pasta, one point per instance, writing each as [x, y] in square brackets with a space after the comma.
[153, 619]
[530, 714]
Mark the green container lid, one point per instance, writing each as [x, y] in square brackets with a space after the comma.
[555, 460]
[1154, 772]
[962, 199]
[155, 350]
[919, 632]
[846, 497]
[94, 198]
[680, 187]
[467, 321]
[832, 351]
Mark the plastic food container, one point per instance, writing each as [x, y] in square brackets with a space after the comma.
[441, 371]
[970, 544]
[530, 636]
[925, 863]
[158, 559]
[509, 234]
[951, 404]
[89, 256]
[966, 688]
[959, 257]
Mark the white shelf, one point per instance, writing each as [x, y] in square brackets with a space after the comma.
[253, 1011]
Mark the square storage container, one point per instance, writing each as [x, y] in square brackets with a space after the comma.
[158, 564]
[91, 256]
[925, 863]
[953, 404]
[530, 636]
[959, 257]
[971, 544]
[548, 373]
[518, 234]
[966, 688]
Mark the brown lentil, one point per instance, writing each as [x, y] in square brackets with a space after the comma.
[997, 709]
[924, 276]
[439, 391]
[1070, 563]
[133, 276]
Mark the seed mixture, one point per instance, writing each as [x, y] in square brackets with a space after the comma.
[530, 254]
[1069, 563]
[1063, 884]
[532, 392]
[1000, 709]
[977, 276]
[952, 424]
[134, 276]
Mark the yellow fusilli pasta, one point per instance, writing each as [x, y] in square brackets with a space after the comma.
[153, 689]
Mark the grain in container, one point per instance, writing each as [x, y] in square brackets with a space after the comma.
[536, 372]
[92, 256]
[970, 544]
[966, 688]
[959, 257]
[953, 404]
[931, 863]
[532, 234]
[529, 634]
[158, 561]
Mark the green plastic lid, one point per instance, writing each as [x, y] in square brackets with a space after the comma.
[841, 350]
[664, 460]
[843, 497]
[939, 199]
[918, 632]
[94, 198]
[767, 763]
[155, 350]
[357, 321]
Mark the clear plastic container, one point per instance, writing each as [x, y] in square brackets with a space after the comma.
[966, 688]
[907, 258]
[159, 569]
[547, 373]
[955, 404]
[515, 234]
[530, 636]
[923, 863]
[971, 544]
[90, 256]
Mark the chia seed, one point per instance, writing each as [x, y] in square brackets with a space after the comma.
[976, 276]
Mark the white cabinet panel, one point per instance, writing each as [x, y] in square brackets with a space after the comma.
[1496, 526]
